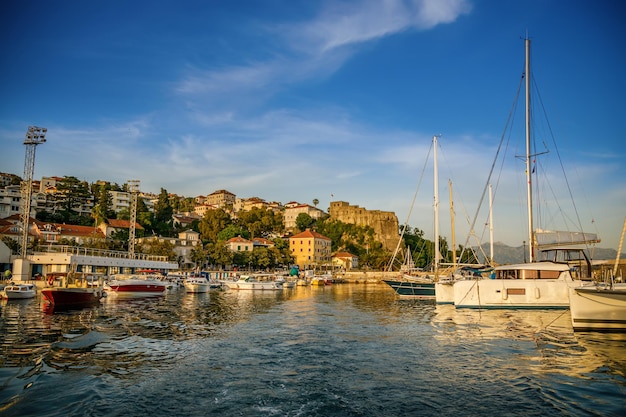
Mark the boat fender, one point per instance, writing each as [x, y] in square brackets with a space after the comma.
[51, 280]
[505, 294]
[537, 294]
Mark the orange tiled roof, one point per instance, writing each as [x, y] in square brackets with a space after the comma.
[237, 239]
[262, 241]
[122, 224]
[75, 230]
[344, 255]
[308, 234]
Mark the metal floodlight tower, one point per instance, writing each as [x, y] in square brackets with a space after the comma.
[34, 136]
[133, 188]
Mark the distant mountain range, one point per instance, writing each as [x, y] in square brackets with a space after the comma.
[504, 254]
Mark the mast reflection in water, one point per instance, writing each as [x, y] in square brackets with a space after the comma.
[342, 350]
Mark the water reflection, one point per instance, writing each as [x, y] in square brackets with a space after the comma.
[558, 348]
[343, 349]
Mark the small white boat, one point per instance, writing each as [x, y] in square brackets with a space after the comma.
[20, 291]
[197, 284]
[256, 282]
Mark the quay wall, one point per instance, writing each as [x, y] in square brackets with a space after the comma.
[364, 277]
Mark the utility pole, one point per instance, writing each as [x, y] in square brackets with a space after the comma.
[34, 136]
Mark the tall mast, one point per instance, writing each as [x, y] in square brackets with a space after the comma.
[529, 187]
[490, 225]
[452, 225]
[436, 208]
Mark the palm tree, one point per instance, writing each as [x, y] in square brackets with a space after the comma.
[315, 202]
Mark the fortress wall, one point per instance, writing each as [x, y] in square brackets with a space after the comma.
[384, 223]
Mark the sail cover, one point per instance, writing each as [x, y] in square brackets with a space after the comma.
[552, 238]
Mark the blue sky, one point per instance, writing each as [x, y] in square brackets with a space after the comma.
[335, 100]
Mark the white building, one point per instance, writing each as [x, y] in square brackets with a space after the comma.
[293, 210]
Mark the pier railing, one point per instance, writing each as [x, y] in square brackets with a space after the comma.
[77, 250]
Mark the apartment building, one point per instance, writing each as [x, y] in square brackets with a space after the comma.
[221, 198]
[292, 210]
[310, 249]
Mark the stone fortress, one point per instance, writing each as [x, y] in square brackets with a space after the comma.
[384, 223]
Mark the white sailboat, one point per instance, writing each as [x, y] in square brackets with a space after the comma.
[601, 306]
[540, 283]
[422, 286]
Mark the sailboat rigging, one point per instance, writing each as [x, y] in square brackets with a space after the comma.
[534, 284]
[421, 286]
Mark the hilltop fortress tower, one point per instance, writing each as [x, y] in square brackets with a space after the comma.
[384, 223]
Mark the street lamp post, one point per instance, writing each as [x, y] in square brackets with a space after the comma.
[34, 136]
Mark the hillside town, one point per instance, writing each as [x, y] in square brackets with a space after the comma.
[250, 232]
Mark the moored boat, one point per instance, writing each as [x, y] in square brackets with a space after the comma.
[598, 307]
[256, 282]
[527, 285]
[539, 283]
[409, 286]
[73, 289]
[317, 282]
[412, 283]
[444, 291]
[322, 280]
[20, 291]
[133, 285]
[196, 284]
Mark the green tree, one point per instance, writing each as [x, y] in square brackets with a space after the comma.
[213, 222]
[260, 222]
[145, 218]
[199, 256]
[218, 254]
[75, 193]
[103, 209]
[262, 258]
[158, 247]
[242, 259]
[12, 244]
[163, 215]
[282, 252]
[304, 221]
[119, 240]
[182, 204]
[232, 231]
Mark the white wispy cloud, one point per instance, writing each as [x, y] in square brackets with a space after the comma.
[315, 48]
[345, 24]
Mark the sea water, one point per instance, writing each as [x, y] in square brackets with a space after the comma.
[340, 350]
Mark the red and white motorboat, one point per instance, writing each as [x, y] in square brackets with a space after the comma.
[67, 290]
[134, 285]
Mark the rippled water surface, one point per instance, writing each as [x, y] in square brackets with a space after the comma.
[343, 350]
